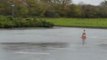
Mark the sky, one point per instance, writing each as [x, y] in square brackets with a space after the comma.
[92, 2]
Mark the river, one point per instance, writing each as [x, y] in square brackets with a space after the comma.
[59, 43]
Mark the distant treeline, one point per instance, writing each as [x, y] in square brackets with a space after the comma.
[52, 8]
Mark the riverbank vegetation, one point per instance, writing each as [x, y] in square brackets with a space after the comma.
[22, 13]
[79, 22]
[10, 22]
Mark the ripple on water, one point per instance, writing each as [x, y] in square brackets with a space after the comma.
[103, 45]
[32, 47]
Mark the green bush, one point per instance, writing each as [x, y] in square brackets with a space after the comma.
[9, 22]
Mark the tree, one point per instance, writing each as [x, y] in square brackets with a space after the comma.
[4, 7]
[74, 11]
[104, 3]
[103, 9]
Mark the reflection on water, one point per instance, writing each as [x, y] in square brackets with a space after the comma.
[32, 46]
[30, 51]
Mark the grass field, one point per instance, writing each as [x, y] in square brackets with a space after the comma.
[79, 22]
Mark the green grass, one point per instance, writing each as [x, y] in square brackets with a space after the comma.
[79, 22]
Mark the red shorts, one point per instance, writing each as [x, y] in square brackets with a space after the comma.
[83, 37]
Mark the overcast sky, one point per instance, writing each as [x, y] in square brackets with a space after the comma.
[93, 2]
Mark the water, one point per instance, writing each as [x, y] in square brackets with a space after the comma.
[59, 43]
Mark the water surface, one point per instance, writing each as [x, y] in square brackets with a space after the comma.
[52, 44]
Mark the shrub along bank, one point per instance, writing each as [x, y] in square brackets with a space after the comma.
[9, 22]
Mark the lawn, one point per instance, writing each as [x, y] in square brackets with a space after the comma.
[79, 22]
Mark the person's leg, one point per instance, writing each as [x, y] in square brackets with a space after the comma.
[83, 42]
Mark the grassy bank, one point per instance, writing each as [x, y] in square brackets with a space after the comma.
[79, 22]
[8, 22]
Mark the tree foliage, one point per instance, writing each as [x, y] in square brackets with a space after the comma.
[52, 8]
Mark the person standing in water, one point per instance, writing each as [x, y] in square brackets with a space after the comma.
[83, 37]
